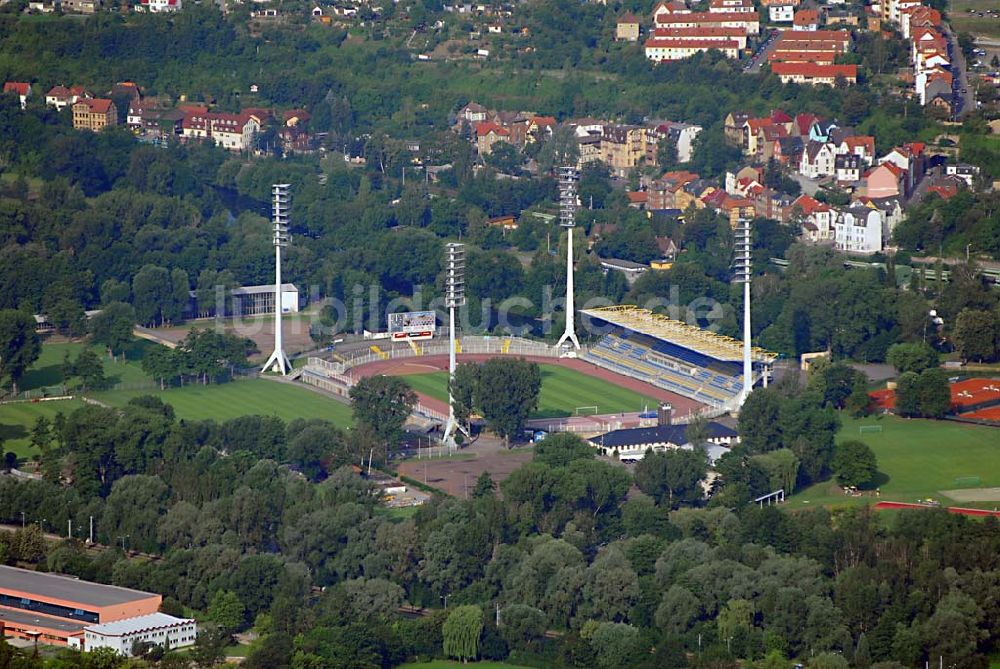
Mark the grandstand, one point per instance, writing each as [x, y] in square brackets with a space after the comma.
[673, 355]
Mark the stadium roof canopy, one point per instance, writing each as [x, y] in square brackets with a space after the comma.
[676, 332]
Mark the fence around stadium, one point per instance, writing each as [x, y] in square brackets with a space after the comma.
[467, 346]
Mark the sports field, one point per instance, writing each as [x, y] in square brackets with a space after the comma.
[223, 401]
[16, 421]
[218, 402]
[917, 460]
[563, 392]
[47, 372]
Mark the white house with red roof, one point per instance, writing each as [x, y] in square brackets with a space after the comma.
[21, 88]
[815, 73]
[731, 6]
[664, 9]
[157, 6]
[816, 218]
[806, 19]
[234, 132]
[61, 97]
[748, 22]
[660, 49]
[862, 146]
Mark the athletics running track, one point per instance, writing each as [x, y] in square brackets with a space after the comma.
[436, 363]
[951, 509]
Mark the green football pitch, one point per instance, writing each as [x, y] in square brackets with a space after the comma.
[223, 401]
[217, 402]
[564, 392]
[917, 459]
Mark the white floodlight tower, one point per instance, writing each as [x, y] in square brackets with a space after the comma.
[278, 361]
[743, 274]
[454, 298]
[568, 176]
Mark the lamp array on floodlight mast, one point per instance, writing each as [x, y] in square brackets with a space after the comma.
[742, 273]
[280, 206]
[454, 298]
[568, 177]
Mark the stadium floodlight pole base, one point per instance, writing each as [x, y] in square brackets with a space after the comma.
[278, 362]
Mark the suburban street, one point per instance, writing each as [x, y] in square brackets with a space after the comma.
[968, 98]
[760, 56]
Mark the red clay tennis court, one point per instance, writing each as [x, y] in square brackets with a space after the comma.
[950, 509]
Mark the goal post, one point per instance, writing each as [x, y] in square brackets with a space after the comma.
[585, 411]
[967, 481]
[865, 429]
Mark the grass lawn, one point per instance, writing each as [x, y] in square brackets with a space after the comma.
[223, 401]
[917, 459]
[217, 401]
[563, 390]
[46, 370]
[16, 421]
[962, 22]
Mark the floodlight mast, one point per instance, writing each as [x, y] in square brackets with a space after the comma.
[743, 274]
[278, 361]
[568, 176]
[454, 298]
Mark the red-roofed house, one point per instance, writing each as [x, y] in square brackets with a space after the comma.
[946, 187]
[637, 199]
[862, 146]
[61, 97]
[886, 180]
[540, 126]
[749, 23]
[94, 114]
[627, 28]
[812, 73]
[665, 9]
[235, 132]
[802, 123]
[731, 6]
[709, 32]
[20, 88]
[815, 217]
[157, 6]
[488, 134]
[806, 19]
[659, 49]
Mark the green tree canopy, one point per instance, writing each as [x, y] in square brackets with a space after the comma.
[19, 344]
[854, 463]
[461, 632]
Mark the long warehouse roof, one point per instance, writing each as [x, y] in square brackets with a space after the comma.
[669, 330]
[66, 588]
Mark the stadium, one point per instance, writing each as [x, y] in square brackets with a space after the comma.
[684, 359]
[660, 359]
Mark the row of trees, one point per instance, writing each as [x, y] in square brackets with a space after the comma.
[202, 356]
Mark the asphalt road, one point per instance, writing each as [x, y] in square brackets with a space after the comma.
[760, 56]
[968, 98]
